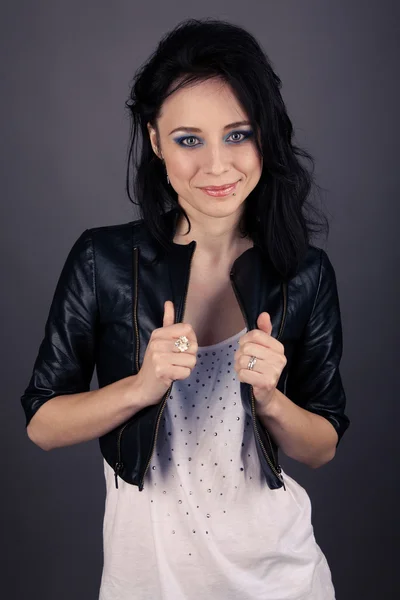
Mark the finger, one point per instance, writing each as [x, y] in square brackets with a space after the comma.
[257, 336]
[169, 313]
[254, 378]
[270, 362]
[166, 345]
[257, 350]
[243, 363]
[169, 364]
[264, 322]
[182, 359]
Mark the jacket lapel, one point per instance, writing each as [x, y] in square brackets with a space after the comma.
[258, 288]
[165, 279]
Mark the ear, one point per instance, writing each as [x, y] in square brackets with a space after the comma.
[153, 140]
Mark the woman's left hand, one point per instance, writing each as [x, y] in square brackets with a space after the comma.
[271, 360]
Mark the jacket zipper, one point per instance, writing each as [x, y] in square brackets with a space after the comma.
[170, 387]
[276, 470]
[284, 290]
[119, 465]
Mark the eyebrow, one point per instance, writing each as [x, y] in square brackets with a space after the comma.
[236, 124]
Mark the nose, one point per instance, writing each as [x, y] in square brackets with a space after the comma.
[216, 160]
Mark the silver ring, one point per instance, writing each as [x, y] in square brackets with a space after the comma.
[252, 362]
[182, 343]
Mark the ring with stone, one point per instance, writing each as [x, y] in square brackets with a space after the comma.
[182, 343]
[252, 362]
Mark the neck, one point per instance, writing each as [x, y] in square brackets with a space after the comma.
[218, 239]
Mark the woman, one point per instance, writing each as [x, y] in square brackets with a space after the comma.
[215, 344]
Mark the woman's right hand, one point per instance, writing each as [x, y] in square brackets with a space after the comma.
[163, 362]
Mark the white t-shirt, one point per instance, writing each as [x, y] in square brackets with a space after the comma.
[206, 524]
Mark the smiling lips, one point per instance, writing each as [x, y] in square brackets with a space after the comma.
[220, 190]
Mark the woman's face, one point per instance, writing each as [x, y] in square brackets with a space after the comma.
[204, 143]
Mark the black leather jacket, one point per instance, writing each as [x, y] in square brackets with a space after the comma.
[109, 298]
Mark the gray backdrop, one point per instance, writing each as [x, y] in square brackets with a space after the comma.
[66, 68]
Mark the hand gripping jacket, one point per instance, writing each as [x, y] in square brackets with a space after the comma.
[110, 297]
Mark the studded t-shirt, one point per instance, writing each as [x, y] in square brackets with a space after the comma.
[206, 524]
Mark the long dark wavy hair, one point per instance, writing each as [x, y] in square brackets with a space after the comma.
[275, 213]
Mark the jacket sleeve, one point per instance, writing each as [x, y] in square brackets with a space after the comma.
[314, 380]
[66, 358]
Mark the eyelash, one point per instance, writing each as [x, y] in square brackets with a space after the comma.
[179, 140]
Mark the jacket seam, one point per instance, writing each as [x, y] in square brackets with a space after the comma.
[319, 284]
[93, 269]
